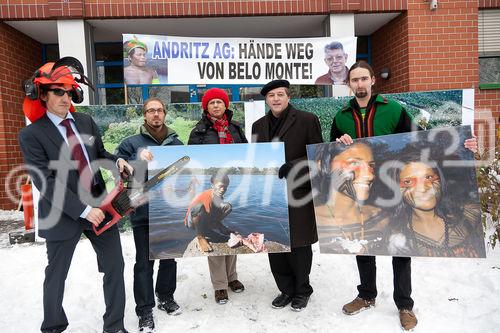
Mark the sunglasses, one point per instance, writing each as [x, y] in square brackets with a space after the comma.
[60, 92]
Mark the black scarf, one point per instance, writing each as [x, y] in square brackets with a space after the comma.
[275, 124]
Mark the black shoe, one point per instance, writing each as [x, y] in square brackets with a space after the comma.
[169, 306]
[146, 323]
[281, 301]
[299, 302]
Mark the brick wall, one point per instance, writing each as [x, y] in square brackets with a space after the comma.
[489, 4]
[487, 115]
[488, 100]
[17, 62]
[40, 9]
[390, 50]
[35, 9]
[430, 49]
[186, 8]
[65, 9]
[442, 45]
[436, 50]
[367, 5]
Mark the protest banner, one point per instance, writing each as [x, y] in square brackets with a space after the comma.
[151, 59]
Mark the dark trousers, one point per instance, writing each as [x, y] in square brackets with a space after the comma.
[291, 271]
[143, 274]
[108, 249]
[401, 267]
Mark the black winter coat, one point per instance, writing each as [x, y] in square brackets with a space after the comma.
[298, 130]
[204, 133]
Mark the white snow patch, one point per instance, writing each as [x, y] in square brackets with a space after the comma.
[11, 215]
[451, 295]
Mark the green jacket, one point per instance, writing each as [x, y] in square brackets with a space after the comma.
[383, 116]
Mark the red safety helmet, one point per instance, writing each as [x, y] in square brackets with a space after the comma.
[60, 72]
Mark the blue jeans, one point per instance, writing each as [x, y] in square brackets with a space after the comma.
[144, 294]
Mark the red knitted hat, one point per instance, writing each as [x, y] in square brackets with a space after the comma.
[214, 93]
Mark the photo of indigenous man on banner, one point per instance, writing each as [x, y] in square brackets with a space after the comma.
[410, 194]
[151, 59]
[227, 200]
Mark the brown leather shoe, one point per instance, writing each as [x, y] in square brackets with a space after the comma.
[358, 305]
[407, 319]
[236, 286]
[221, 296]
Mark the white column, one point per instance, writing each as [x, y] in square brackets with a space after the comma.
[340, 25]
[76, 40]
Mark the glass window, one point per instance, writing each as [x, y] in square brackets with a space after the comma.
[362, 45]
[202, 91]
[170, 94]
[489, 70]
[134, 95]
[109, 96]
[250, 93]
[51, 52]
[306, 91]
[108, 51]
[109, 74]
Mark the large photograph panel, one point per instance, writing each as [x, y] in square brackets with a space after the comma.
[227, 200]
[411, 194]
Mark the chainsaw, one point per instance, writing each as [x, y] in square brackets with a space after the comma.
[122, 201]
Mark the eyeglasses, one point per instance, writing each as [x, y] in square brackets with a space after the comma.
[153, 110]
[336, 58]
[60, 92]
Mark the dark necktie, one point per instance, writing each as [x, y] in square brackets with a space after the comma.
[78, 155]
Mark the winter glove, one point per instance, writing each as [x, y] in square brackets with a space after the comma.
[284, 170]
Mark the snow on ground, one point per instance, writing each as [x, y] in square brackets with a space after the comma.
[451, 295]
[11, 215]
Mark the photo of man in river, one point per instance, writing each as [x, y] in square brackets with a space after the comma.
[239, 205]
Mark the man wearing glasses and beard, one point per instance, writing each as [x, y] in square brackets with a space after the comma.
[153, 132]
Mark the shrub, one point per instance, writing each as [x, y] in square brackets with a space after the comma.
[489, 188]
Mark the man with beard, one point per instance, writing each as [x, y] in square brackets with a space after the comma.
[346, 174]
[153, 132]
[369, 114]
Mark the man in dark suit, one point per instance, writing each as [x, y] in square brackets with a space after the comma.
[296, 129]
[62, 151]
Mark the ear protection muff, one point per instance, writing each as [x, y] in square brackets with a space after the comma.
[31, 88]
[77, 95]
[32, 91]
